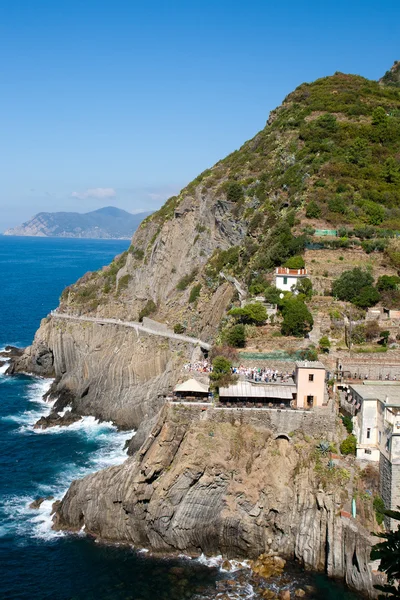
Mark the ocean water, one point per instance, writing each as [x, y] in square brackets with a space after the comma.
[37, 563]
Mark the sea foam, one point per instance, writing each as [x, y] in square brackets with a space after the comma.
[29, 523]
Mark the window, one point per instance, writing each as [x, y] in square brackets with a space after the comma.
[285, 281]
[311, 377]
[367, 451]
[368, 433]
[380, 436]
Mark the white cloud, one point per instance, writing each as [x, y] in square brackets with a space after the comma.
[99, 193]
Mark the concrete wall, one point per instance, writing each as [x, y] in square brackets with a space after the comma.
[373, 368]
[319, 423]
[389, 487]
[290, 281]
[305, 387]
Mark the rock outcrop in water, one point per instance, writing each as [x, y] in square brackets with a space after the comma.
[221, 482]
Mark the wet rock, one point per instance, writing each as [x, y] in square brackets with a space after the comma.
[299, 593]
[39, 501]
[267, 566]
[226, 565]
[56, 420]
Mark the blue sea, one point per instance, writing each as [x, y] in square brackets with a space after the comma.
[37, 563]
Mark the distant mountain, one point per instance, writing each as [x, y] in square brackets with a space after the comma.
[104, 223]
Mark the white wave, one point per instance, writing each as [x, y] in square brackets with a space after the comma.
[4, 367]
[21, 519]
[35, 392]
[27, 522]
[218, 561]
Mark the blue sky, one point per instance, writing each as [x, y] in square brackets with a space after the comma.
[121, 102]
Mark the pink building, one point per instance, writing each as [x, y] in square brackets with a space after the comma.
[310, 384]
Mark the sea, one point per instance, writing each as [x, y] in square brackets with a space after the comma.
[37, 563]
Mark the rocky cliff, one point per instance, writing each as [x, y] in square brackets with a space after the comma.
[328, 156]
[229, 482]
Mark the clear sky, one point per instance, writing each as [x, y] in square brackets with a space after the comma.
[123, 102]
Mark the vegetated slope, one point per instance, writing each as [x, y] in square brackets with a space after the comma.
[107, 222]
[328, 156]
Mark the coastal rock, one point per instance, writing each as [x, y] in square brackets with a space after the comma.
[56, 420]
[39, 501]
[193, 486]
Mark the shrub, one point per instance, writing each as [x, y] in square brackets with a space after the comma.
[194, 293]
[324, 344]
[368, 296]
[379, 507]
[304, 286]
[251, 313]
[236, 336]
[348, 423]
[137, 253]
[272, 294]
[309, 353]
[179, 328]
[350, 284]
[186, 280]
[313, 211]
[387, 282]
[349, 445]
[149, 308]
[385, 337]
[297, 319]
[234, 192]
[295, 262]
[123, 282]
[221, 375]
[358, 334]
[371, 330]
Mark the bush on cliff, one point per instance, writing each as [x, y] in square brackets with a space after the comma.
[252, 314]
[236, 336]
[149, 308]
[297, 319]
[221, 375]
[349, 445]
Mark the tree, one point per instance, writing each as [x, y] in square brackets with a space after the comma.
[350, 284]
[388, 552]
[254, 313]
[324, 344]
[272, 294]
[297, 319]
[236, 336]
[304, 286]
[221, 374]
[349, 445]
[368, 296]
[391, 170]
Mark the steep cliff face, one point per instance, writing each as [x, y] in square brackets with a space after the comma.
[107, 371]
[221, 482]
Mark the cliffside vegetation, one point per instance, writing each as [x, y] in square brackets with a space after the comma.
[328, 158]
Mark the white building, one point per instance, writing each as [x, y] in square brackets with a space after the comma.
[377, 429]
[286, 278]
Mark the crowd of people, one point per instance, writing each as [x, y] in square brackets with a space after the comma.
[256, 374]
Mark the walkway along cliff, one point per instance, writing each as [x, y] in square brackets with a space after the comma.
[216, 480]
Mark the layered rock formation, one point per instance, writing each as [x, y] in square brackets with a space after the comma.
[223, 482]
